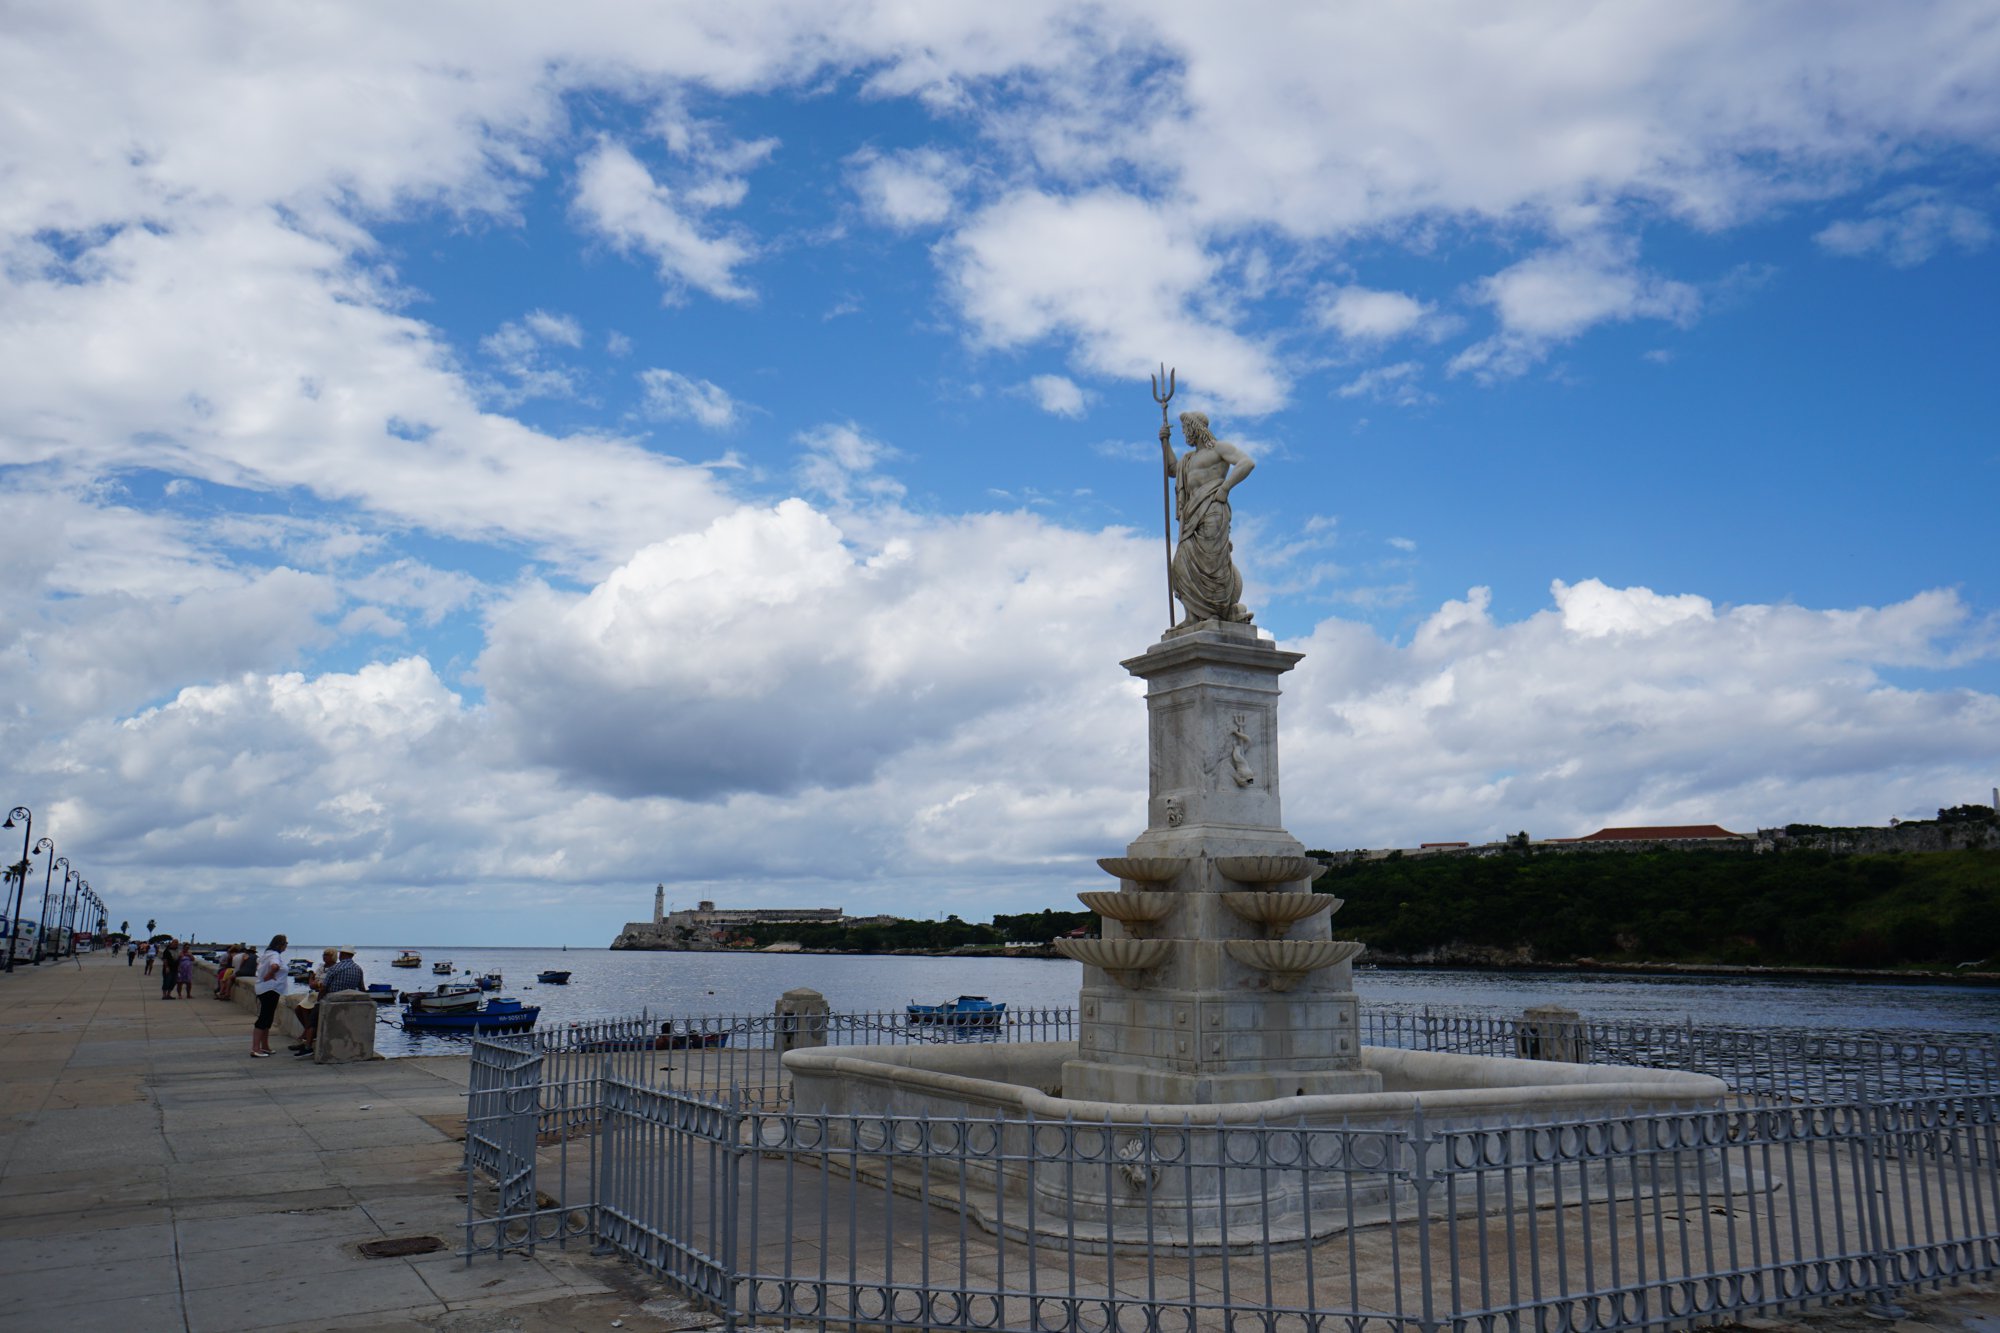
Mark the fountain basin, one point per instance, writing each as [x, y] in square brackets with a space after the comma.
[1188, 1175]
[1133, 909]
[1268, 869]
[1143, 869]
[1279, 912]
[1286, 961]
[1123, 959]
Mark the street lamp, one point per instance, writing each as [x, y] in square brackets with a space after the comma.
[42, 933]
[75, 912]
[18, 873]
[62, 910]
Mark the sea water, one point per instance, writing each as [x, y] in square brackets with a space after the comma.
[608, 984]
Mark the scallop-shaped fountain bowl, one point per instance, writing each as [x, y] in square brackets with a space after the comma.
[1144, 869]
[1134, 909]
[1286, 961]
[1268, 869]
[1125, 960]
[1279, 912]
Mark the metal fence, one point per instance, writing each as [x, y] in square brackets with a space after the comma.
[1794, 1064]
[1790, 1197]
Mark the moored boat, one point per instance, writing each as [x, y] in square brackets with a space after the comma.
[445, 999]
[965, 1011]
[499, 1014]
[407, 958]
[666, 1040]
[382, 993]
[488, 981]
[552, 977]
[441, 969]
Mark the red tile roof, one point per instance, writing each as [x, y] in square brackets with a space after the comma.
[1660, 832]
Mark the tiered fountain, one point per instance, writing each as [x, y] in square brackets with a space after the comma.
[1215, 997]
[1216, 978]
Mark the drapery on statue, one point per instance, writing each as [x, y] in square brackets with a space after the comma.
[1203, 571]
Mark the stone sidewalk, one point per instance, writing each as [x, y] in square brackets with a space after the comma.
[155, 1177]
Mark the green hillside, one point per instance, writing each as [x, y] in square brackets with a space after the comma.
[1802, 908]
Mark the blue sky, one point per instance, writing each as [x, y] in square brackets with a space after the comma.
[469, 463]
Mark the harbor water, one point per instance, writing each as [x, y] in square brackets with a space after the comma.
[607, 984]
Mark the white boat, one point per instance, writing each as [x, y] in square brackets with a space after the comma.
[441, 969]
[446, 999]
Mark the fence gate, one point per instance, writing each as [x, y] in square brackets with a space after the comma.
[501, 1116]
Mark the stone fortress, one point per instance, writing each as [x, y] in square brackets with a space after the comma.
[706, 926]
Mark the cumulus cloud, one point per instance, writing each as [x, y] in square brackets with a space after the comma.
[1058, 395]
[1908, 227]
[1398, 384]
[915, 188]
[1622, 705]
[1115, 276]
[1360, 314]
[617, 196]
[673, 396]
[1554, 296]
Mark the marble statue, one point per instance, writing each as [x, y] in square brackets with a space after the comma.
[1204, 572]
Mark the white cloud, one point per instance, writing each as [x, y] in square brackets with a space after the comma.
[1554, 296]
[554, 328]
[1398, 384]
[1363, 315]
[1908, 227]
[839, 461]
[914, 188]
[676, 397]
[618, 197]
[1058, 395]
[1115, 276]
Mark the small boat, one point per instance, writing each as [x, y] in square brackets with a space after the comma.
[667, 1040]
[489, 981]
[446, 999]
[552, 978]
[382, 993]
[965, 1011]
[498, 1015]
[441, 969]
[299, 969]
[407, 958]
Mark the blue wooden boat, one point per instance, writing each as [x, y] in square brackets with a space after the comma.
[965, 1011]
[382, 993]
[552, 977]
[498, 1015]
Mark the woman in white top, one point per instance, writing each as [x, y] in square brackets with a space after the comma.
[272, 983]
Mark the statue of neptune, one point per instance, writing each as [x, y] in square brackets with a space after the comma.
[1203, 570]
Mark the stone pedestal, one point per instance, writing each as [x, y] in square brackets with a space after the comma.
[800, 1020]
[1228, 986]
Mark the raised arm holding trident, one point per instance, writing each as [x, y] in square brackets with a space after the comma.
[1202, 570]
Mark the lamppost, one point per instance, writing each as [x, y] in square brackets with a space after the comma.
[62, 911]
[42, 932]
[76, 911]
[19, 874]
[42, 923]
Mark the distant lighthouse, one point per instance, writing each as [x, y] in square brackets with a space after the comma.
[659, 904]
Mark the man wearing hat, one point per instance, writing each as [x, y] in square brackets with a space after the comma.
[343, 974]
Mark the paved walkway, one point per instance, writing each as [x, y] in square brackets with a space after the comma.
[155, 1177]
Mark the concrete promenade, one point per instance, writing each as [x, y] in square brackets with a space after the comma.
[155, 1177]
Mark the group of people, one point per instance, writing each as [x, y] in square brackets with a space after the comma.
[337, 972]
[176, 968]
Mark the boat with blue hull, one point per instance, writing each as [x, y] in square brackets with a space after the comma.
[967, 1011]
[553, 977]
[497, 1015]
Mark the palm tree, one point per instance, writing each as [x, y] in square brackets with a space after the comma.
[124, 927]
[149, 925]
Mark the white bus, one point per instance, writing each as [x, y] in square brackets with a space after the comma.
[25, 942]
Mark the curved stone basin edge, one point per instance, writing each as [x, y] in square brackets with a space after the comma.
[827, 1079]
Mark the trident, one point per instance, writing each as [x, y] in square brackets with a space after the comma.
[1166, 500]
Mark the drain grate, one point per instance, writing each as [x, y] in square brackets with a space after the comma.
[401, 1247]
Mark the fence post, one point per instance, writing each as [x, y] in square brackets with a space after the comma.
[732, 1169]
[1883, 1288]
[1420, 1180]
